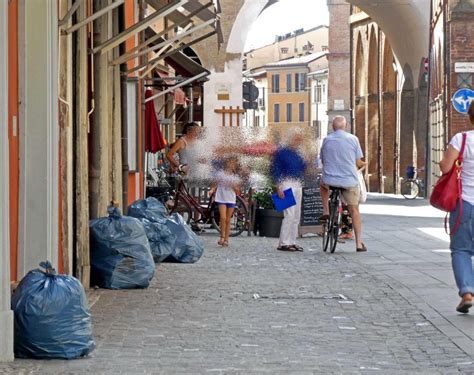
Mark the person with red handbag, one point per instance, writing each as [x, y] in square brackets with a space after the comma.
[459, 160]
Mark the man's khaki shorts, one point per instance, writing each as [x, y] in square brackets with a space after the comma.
[351, 196]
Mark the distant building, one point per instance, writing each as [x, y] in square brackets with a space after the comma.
[289, 94]
[319, 102]
[297, 43]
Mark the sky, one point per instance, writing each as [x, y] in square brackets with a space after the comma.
[284, 17]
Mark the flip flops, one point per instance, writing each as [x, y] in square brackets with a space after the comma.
[291, 248]
[362, 249]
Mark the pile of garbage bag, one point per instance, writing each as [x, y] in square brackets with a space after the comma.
[52, 318]
[189, 248]
[150, 208]
[162, 241]
[152, 213]
[120, 252]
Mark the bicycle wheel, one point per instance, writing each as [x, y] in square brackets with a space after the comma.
[325, 235]
[410, 189]
[335, 227]
[238, 220]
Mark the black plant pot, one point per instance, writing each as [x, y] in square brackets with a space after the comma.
[268, 222]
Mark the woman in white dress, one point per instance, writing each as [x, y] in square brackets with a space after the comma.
[227, 186]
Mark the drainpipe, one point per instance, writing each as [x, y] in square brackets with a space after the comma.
[428, 175]
[6, 314]
[447, 75]
[123, 101]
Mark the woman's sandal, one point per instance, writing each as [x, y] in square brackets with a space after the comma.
[297, 248]
[221, 242]
[362, 249]
[225, 243]
[286, 248]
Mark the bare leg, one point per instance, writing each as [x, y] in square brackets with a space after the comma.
[222, 221]
[230, 212]
[325, 199]
[356, 224]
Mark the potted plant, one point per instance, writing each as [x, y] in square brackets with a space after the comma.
[267, 219]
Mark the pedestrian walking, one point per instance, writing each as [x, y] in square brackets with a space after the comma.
[288, 169]
[462, 241]
[227, 186]
[341, 156]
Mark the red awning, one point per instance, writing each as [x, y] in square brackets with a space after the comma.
[154, 140]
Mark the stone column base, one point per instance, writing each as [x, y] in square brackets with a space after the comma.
[6, 336]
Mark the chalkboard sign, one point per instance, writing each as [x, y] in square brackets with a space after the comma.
[311, 205]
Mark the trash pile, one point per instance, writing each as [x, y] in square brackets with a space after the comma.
[52, 318]
[124, 249]
[189, 247]
[152, 214]
[171, 239]
[120, 252]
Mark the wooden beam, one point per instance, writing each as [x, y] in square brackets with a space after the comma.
[81, 172]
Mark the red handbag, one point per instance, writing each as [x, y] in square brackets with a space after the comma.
[447, 192]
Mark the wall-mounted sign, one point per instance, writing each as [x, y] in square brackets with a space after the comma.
[339, 105]
[464, 67]
[462, 100]
[223, 91]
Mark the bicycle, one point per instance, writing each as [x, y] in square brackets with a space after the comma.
[188, 207]
[412, 186]
[332, 225]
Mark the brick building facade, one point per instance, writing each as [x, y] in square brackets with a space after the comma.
[388, 106]
[452, 41]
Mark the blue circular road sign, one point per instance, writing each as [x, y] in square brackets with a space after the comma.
[462, 99]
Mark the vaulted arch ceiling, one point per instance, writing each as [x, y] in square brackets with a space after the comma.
[406, 25]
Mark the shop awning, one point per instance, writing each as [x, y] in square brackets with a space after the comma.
[194, 7]
[182, 64]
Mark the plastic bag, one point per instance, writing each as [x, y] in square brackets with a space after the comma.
[120, 252]
[151, 209]
[52, 318]
[162, 241]
[362, 187]
[189, 247]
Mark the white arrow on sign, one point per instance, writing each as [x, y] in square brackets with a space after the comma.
[464, 102]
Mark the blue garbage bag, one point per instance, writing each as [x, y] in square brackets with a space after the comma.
[120, 252]
[162, 241]
[151, 209]
[52, 318]
[189, 247]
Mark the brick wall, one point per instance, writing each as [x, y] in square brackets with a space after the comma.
[461, 48]
[339, 57]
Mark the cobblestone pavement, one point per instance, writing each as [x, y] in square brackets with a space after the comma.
[251, 309]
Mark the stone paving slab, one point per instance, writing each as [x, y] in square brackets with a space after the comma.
[250, 309]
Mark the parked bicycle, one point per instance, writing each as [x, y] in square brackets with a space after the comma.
[332, 226]
[187, 206]
[412, 186]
